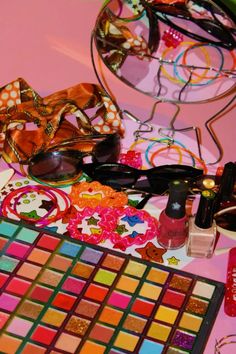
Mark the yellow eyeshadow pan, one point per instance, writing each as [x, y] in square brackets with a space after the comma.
[128, 284]
[135, 268]
[190, 322]
[157, 276]
[166, 314]
[159, 331]
[150, 291]
[126, 341]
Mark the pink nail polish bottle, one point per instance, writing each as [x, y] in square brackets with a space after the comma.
[173, 221]
[230, 294]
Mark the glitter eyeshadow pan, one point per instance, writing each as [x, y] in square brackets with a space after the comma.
[59, 295]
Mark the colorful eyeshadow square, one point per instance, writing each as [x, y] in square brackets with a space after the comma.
[18, 286]
[136, 269]
[190, 322]
[126, 341]
[183, 340]
[173, 298]
[40, 293]
[166, 314]
[7, 229]
[3, 319]
[68, 342]
[142, 307]
[48, 242]
[69, 249]
[91, 256]
[54, 317]
[64, 301]
[73, 285]
[9, 344]
[17, 249]
[91, 347]
[105, 277]
[27, 235]
[30, 309]
[87, 308]
[127, 284]
[149, 347]
[8, 302]
[77, 325]
[101, 333]
[30, 348]
[38, 256]
[3, 279]
[60, 263]
[96, 292]
[159, 331]
[197, 306]
[150, 291]
[19, 326]
[3, 242]
[119, 300]
[82, 270]
[8, 264]
[113, 262]
[157, 276]
[43, 335]
[203, 289]
[134, 323]
[111, 316]
[50, 278]
[180, 283]
[29, 270]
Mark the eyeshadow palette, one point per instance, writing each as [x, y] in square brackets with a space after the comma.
[63, 296]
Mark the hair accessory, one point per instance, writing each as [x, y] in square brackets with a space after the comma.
[172, 38]
[11, 203]
[93, 194]
[229, 339]
[116, 224]
[131, 158]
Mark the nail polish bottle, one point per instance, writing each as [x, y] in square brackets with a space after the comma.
[230, 294]
[173, 221]
[225, 197]
[202, 228]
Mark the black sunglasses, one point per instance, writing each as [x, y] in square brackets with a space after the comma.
[64, 166]
[226, 221]
[214, 26]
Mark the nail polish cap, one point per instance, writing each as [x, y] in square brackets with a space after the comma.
[227, 182]
[205, 211]
[177, 199]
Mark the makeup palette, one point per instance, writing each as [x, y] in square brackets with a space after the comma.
[63, 296]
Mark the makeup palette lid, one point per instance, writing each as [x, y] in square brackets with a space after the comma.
[178, 191]
[204, 216]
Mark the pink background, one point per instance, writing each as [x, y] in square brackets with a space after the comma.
[48, 44]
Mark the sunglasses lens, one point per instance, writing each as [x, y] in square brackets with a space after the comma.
[56, 166]
[227, 220]
[108, 150]
[115, 175]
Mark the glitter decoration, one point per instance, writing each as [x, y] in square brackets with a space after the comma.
[180, 283]
[183, 340]
[197, 306]
[131, 158]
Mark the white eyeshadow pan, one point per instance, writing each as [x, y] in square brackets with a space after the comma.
[203, 289]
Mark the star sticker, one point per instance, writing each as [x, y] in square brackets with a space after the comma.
[71, 213]
[46, 204]
[121, 229]
[92, 221]
[132, 220]
[151, 253]
[95, 231]
[176, 206]
[173, 261]
[32, 214]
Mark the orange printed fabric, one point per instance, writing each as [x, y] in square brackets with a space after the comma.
[30, 123]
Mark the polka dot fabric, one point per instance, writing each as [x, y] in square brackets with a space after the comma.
[10, 95]
[111, 121]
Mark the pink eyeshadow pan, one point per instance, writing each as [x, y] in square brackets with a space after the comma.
[17, 249]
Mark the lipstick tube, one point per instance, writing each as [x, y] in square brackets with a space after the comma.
[230, 294]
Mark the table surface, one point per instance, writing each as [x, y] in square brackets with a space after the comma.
[48, 44]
